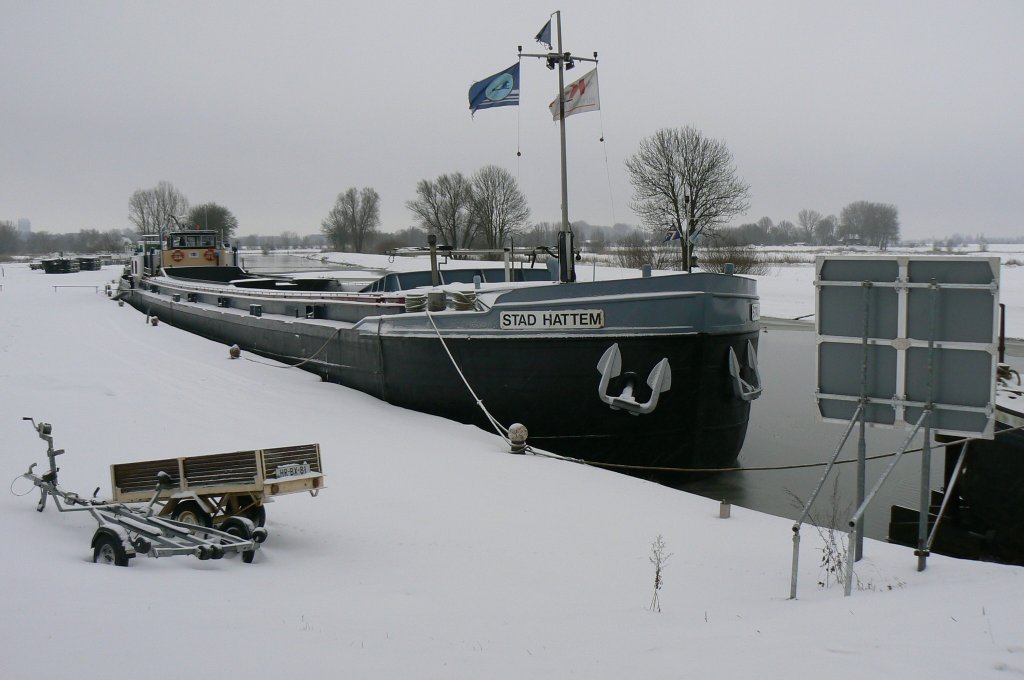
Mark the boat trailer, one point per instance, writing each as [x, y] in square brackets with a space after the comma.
[126, 530]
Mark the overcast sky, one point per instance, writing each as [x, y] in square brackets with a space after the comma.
[272, 108]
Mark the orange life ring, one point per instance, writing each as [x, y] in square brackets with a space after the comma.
[210, 254]
[177, 256]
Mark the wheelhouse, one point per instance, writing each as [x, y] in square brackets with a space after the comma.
[199, 248]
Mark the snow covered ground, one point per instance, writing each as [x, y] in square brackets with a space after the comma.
[432, 553]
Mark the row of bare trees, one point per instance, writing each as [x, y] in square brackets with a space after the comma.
[43, 242]
[684, 184]
[682, 178]
[485, 209]
[860, 222]
[165, 207]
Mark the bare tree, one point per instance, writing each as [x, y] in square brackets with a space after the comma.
[825, 230]
[212, 216]
[784, 233]
[150, 210]
[354, 217]
[673, 164]
[499, 207]
[10, 239]
[444, 207]
[808, 220]
[875, 224]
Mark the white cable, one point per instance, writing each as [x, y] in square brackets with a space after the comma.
[501, 430]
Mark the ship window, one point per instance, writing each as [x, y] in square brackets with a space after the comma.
[193, 240]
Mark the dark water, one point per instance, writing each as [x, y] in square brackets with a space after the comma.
[783, 431]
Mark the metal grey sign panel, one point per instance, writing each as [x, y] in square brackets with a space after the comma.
[877, 316]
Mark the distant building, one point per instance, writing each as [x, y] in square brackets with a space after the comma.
[24, 225]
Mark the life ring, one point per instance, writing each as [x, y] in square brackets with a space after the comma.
[177, 256]
[210, 254]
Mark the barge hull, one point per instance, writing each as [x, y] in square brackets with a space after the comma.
[698, 423]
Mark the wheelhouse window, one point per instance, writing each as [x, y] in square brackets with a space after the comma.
[193, 239]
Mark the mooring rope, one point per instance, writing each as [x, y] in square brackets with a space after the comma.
[500, 429]
[761, 468]
[306, 360]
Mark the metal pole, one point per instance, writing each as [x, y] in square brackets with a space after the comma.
[925, 502]
[566, 265]
[949, 491]
[926, 449]
[878, 485]
[686, 229]
[814, 496]
[858, 546]
[435, 278]
[1002, 333]
[796, 561]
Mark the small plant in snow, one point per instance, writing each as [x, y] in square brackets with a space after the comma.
[834, 549]
[659, 558]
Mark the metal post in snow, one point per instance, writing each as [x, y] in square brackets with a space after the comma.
[814, 496]
[858, 547]
[878, 485]
[926, 449]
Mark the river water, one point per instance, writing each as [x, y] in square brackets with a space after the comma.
[783, 431]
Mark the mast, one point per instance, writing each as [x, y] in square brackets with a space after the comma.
[564, 61]
[566, 266]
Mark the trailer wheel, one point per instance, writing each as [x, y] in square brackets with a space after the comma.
[243, 529]
[191, 512]
[107, 549]
[238, 527]
[258, 515]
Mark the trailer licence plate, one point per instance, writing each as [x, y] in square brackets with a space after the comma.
[293, 470]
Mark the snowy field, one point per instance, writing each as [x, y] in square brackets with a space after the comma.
[432, 553]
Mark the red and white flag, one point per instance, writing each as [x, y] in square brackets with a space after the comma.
[580, 96]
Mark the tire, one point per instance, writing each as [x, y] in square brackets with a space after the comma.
[191, 512]
[252, 511]
[242, 529]
[107, 549]
[258, 515]
[237, 527]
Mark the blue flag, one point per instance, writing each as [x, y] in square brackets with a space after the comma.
[673, 234]
[501, 89]
[544, 37]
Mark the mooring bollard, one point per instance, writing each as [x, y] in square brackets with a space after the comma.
[153, 320]
[517, 435]
[725, 510]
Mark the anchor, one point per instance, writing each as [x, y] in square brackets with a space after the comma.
[610, 366]
[747, 391]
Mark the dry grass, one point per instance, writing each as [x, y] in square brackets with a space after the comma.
[745, 260]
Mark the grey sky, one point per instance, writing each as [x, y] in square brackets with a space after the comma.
[272, 108]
